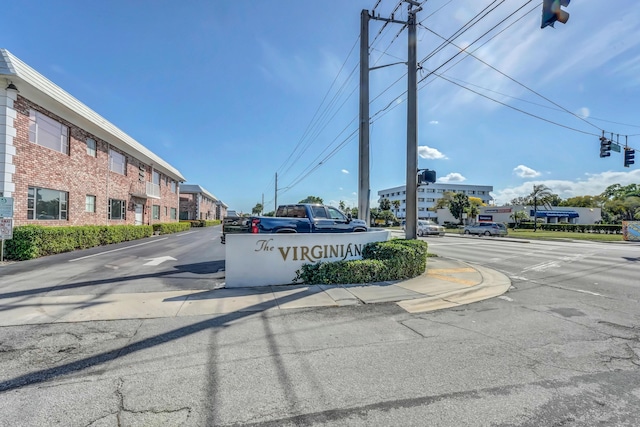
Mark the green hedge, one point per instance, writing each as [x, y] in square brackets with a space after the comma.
[202, 222]
[33, 241]
[395, 259]
[170, 227]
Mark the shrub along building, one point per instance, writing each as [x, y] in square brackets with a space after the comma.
[63, 164]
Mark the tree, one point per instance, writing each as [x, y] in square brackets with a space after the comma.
[474, 206]
[312, 199]
[540, 196]
[396, 206]
[386, 216]
[443, 202]
[518, 201]
[582, 202]
[342, 206]
[257, 209]
[518, 217]
[385, 204]
[458, 204]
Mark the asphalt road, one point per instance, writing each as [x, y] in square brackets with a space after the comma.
[562, 348]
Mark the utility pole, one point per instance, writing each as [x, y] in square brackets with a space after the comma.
[363, 159]
[412, 119]
[276, 197]
[411, 216]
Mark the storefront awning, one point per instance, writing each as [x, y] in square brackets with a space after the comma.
[555, 214]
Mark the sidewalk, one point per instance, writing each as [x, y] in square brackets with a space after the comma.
[446, 283]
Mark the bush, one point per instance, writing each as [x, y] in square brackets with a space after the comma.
[170, 227]
[395, 259]
[202, 222]
[33, 241]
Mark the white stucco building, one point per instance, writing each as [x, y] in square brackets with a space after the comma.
[504, 214]
[428, 195]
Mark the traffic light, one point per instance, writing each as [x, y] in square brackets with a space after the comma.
[552, 12]
[427, 176]
[629, 155]
[605, 147]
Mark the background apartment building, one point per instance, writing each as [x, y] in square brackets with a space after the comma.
[63, 164]
[428, 196]
[198, 203]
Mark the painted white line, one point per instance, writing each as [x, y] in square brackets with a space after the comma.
[506, 298]
[116, 250]
[159, 260]
[587, 292]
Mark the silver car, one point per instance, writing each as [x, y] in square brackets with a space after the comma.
[427, 228]
[486, 229]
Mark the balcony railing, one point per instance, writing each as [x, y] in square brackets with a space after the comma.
[145, 190]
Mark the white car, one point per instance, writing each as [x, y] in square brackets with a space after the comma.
[427, 228]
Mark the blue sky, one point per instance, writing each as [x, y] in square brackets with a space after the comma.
[231, 93]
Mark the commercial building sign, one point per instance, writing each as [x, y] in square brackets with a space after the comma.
[485, 218]
[498, 210]
[6, 207]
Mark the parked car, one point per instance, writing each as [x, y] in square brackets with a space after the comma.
[486, 229]
[298, 218]
[427, 228]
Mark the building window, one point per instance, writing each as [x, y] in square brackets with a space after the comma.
[431, 200]
[174, 213]
[156, 211]
[431, 190]
[166, 211]
[117, 162]
[117, 209]
[173, 186]
[155, 178]
[421, 199]
[45, 204]
[90, 203]
[47, 132]
[91, 147]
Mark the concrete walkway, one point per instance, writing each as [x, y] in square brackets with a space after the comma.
[446, 283]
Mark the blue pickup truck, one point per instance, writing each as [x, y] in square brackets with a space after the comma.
[298, 218]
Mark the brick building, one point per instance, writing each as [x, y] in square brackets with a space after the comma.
[198, 203]
[63, 164]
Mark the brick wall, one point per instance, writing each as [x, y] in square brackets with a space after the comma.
[79, 174]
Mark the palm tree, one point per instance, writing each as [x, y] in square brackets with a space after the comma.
[396, 206]
[540, 196]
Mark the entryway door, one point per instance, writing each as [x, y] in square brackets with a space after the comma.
[139, 217]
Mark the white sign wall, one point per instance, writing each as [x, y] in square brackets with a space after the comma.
[273, 259]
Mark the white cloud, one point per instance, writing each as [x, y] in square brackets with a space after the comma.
[452, 177]
[584, 112]
[345, 171]
[427, 152]
[525, 172]
[593, 185]
[433, 122]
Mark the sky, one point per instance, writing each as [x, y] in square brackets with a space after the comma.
[233, 94]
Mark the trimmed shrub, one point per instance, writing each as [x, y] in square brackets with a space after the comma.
[395, 259]
[202, 222]
[33, 241]
[170, 227]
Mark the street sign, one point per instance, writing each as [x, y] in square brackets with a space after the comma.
[6, 207]
[6, 228]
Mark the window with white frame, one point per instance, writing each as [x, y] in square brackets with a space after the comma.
[156, 212]
[174, 213]
[155, 177]
[117, 209]
[117, 162]
[173, 186]
[90, 203]
[45, 131]
[91, 147]
[46, 204]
